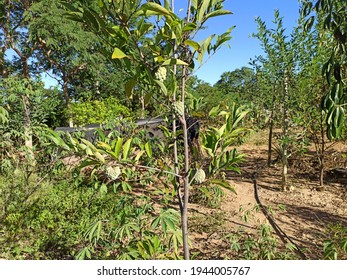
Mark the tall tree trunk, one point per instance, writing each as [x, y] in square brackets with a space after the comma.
[67, 99]
[28, 138]
[269, 151]
[186, 171]
[27, 126]
[142, 101]
[186, 185]
[285, 133]
[3, 70]
[322, 154]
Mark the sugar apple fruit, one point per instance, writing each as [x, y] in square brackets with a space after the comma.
[113, 172]
[178, 108]
[200, 176]
[160, 74]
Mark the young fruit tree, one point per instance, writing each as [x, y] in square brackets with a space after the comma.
[156, 50]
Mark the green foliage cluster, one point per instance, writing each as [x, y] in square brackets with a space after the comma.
[47, 214]
[144, 51]
[46, 105]
[98, 111]
[335, 245]
[263, 244]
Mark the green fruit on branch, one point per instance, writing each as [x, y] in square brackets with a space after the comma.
[160, 74]
[178, 108]
[200, 176]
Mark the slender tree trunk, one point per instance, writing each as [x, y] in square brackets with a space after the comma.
[285, 134]
[28, 138]
[27, 126]
[186, 186]
[3, 70]
[269, 151]
[322, 154]
[142, 101]
[186, 172]
[67, 99]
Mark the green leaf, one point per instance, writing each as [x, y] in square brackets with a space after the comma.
[126, 186]
[205, 46]
[224, 184]
[193, 44]
[54, 136]
[148, 149]
[94, 231]
[309, 23]
[89, 144]
[218, 13]
[3, 115]
[190, 26]
[126, 148]
[129, 87]
[214, 111]
[162, 86]
[139, 155]
[118, 147]
[118, 54]
[88, 162]
[99, 157]
[174, 61]
[202, 10]
[154, 9]
[90, 18]
[148, 96]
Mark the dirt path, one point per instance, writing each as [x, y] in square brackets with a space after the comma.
[303, 213]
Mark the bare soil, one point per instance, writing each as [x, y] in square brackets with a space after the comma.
[303, 213]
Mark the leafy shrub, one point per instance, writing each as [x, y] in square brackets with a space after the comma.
[335, 246]
[209, 195]
[98, 111]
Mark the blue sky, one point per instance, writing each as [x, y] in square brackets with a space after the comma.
[242, 46]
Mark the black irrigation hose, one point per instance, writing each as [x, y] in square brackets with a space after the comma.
[282, 235]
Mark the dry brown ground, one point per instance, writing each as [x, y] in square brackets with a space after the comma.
[306, 214]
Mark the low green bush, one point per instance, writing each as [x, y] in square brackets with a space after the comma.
[98, 111]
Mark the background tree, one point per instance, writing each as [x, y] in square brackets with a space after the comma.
[280, 58]
[15, 37]
[72, 55]
[333, 15]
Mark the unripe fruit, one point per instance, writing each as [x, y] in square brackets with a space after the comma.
[160, 74]
[200, 176]
[178, 108]
[113, 172]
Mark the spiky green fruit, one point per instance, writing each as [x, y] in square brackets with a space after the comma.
[160, 74]
[200, 176]
[178, 108]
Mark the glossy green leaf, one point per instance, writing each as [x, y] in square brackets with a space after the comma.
[129, 87]
[118, 147]
[202, 10]
[162, 86]
[118, 54]
[148, 149]
[193, 44]
[218, 13]
[126, 148]
[151, 8]
[174, 61]
[190, 26]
